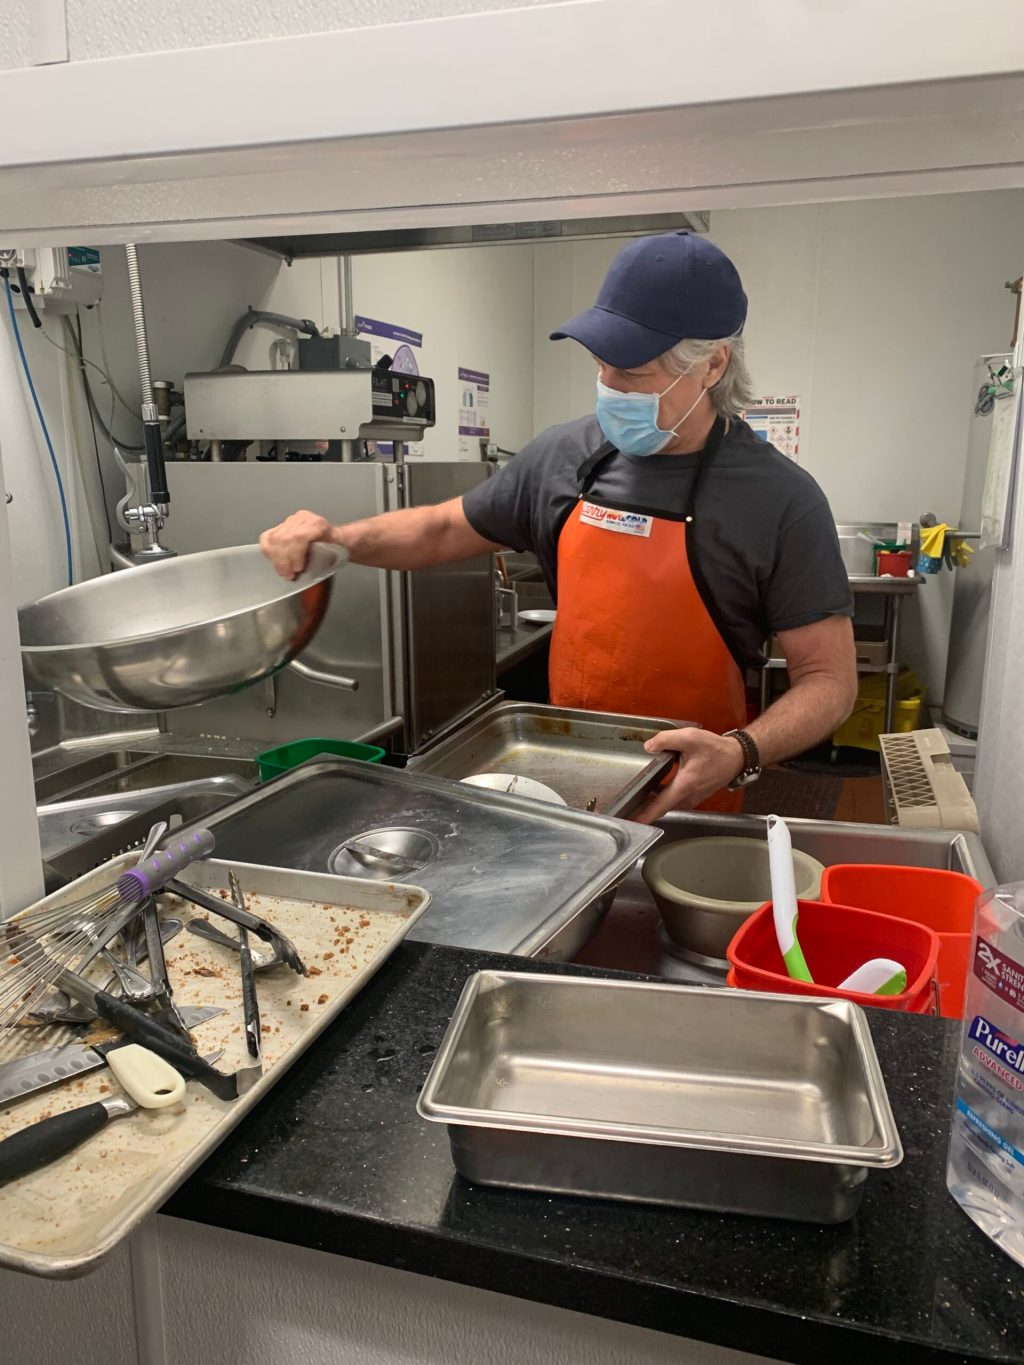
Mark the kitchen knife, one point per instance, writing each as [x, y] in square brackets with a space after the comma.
[38, 1071]
[151, 1033]
[40, 1143]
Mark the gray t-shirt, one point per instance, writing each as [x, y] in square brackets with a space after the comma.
[766, 544]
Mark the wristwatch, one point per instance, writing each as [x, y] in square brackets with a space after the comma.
[751, 769]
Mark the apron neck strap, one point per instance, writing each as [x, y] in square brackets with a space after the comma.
[705, 460]
[592, 466]
[589, 470]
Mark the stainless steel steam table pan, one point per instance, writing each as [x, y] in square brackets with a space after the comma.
[726, 1100]
[592, 760]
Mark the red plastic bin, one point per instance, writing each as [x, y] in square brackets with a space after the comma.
[942, 900]
[836, 940]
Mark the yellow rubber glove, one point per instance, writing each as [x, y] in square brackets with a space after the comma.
[961, 552]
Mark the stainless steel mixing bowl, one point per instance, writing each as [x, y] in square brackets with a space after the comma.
[178, 632]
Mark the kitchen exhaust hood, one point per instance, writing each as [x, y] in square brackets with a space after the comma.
[294, 246]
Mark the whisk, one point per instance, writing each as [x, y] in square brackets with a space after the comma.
[44, 940]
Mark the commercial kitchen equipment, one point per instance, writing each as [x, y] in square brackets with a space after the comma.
[419, 645]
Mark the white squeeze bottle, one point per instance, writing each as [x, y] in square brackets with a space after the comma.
[985, 1170]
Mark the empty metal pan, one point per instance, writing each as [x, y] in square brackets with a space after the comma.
[177, 632]
[711, 1099]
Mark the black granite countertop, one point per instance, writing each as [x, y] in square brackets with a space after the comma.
[337, 1159]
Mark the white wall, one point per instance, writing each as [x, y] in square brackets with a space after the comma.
[873, 312]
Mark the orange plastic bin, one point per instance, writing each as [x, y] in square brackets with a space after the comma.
[836, 940]
[944, 901]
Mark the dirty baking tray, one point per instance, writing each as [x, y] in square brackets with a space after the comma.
[714, 1099]
[63, 1220]
[506, 874]
[593, 761]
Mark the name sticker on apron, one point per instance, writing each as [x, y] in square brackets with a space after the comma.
[608, 519]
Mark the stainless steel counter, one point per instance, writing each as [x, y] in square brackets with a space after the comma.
[515, 645]
[894, 591]
[891, 587]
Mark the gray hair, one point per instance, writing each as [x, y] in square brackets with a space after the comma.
[734, 392]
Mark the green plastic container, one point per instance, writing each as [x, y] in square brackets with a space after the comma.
[273, 762]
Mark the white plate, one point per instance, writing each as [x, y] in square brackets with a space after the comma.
[515, 785]
[537, 616]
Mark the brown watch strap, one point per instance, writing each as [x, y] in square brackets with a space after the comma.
[751, 769]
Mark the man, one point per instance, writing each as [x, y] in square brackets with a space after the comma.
[675, 540]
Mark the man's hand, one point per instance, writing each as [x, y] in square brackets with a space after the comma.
[287, 545]
[707, 763]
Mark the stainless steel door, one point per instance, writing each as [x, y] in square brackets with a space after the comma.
[968, 631]
[448, 616]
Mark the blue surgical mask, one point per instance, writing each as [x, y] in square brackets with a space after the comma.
[630, 420]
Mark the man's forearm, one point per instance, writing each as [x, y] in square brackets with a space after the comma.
[802, 717]
[414, 538]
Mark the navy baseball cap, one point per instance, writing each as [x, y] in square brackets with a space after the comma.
[659, 291]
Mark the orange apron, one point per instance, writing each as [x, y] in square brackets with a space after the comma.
[633, 634]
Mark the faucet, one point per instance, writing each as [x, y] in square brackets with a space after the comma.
[145, 519]
[506, 594]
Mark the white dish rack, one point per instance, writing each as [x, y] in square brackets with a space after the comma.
[922, 788]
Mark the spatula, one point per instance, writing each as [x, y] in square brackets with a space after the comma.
[784, 906]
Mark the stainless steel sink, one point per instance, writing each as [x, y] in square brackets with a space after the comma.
[830, 842]
[833, 841]
[129, 770]
[110, 821]
[85, 773]
[858, 553]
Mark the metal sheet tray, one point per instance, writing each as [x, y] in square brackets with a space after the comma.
[63, 1220]
[716, 1099]
[585, 756]
[506, 874]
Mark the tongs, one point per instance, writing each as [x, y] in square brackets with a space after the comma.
[250, 1004]
[282, 945]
